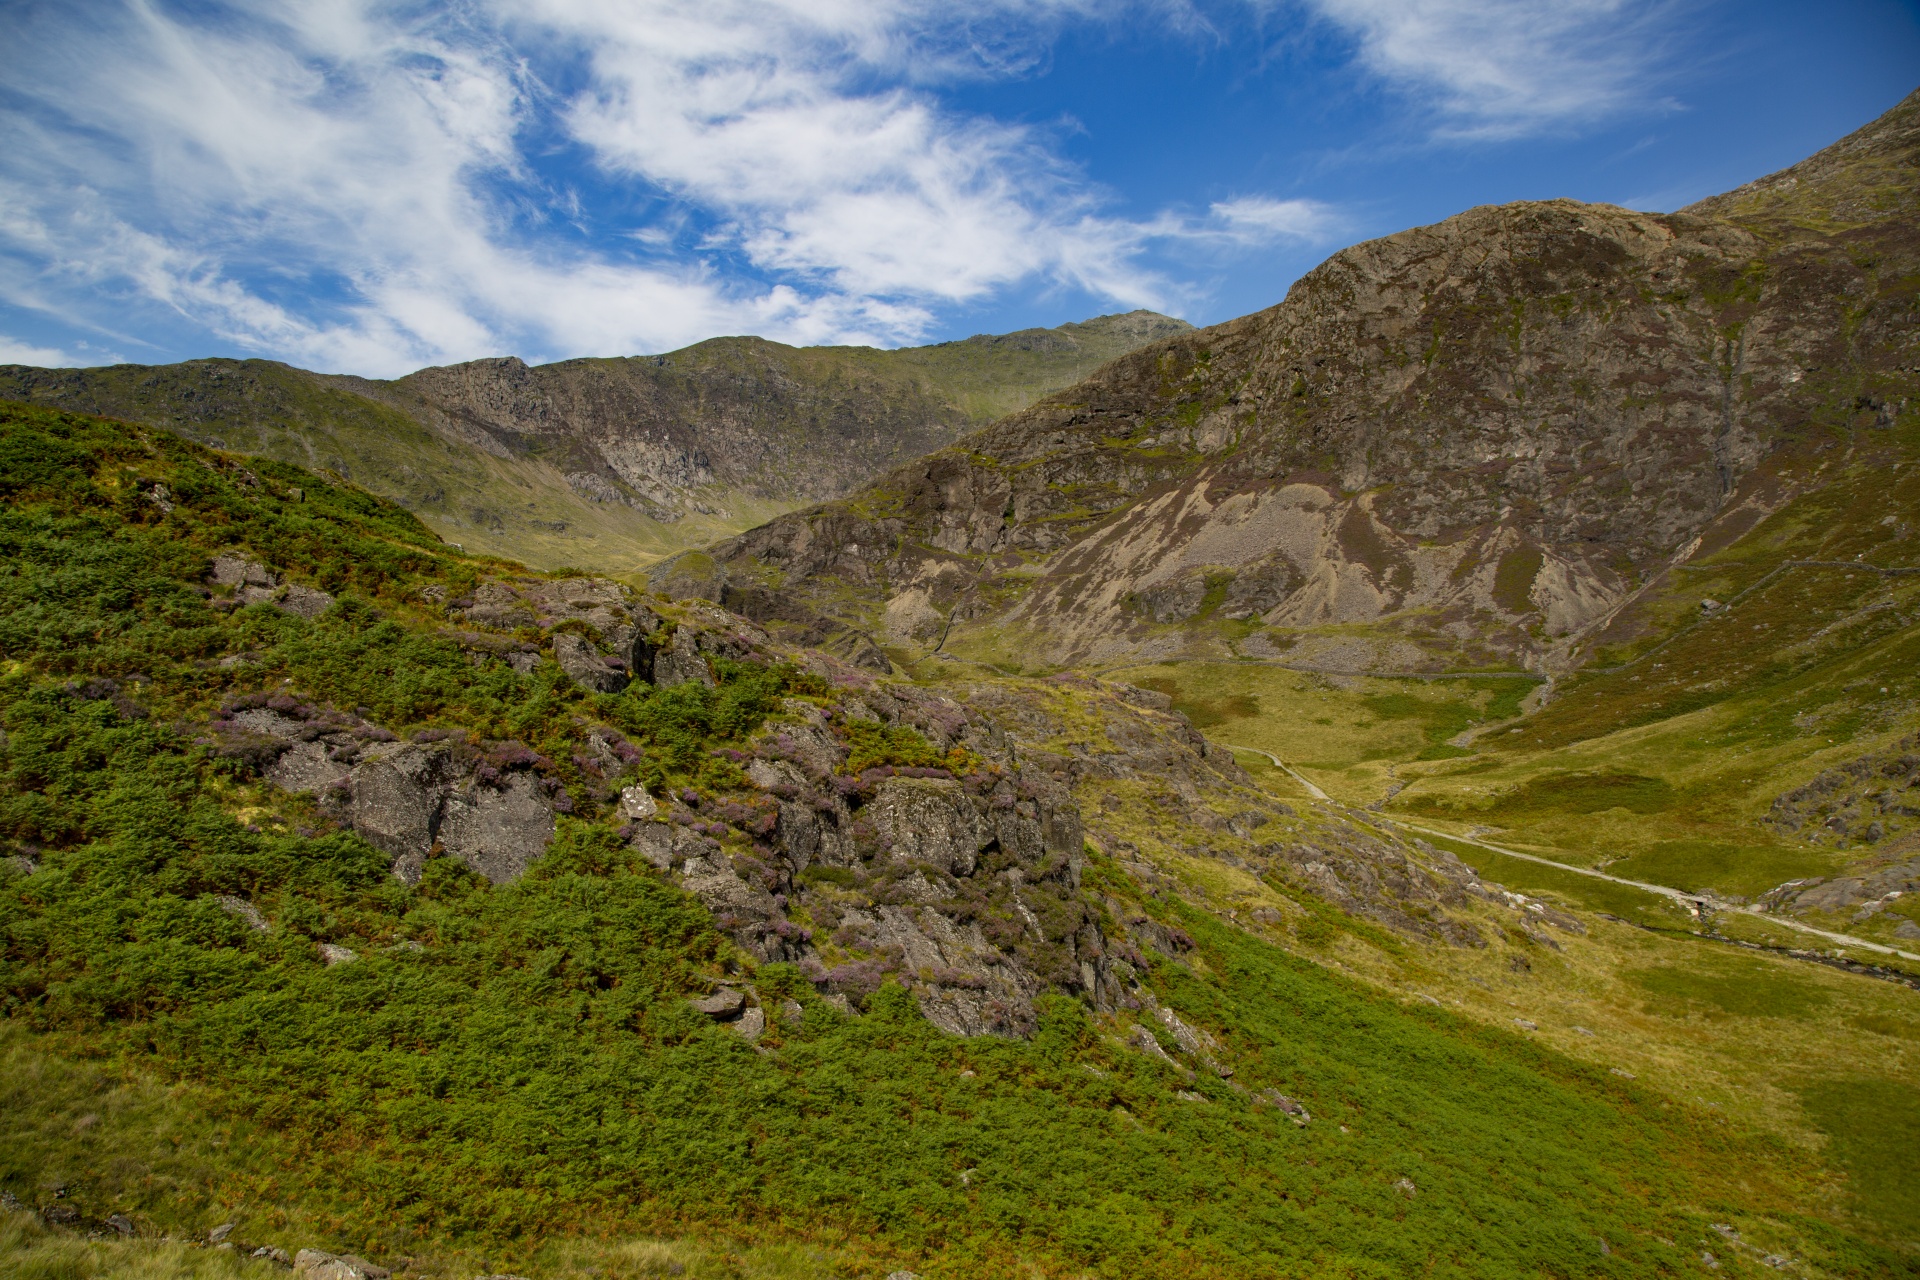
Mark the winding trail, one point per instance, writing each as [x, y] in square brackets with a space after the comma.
[1285, 768]
[1700, 904]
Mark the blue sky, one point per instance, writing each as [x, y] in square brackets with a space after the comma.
[366, 187]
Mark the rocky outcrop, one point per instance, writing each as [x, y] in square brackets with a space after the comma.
[407, 799]
[314, 1264]
[1366, 875]
[1861, 895]
[1476, 440]
[1865, 800]
[964, 880]
[875, 830]
[251, 582]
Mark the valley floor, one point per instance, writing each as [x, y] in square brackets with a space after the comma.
[1727, 1010]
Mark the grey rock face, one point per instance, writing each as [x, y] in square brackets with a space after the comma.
[1874, 886]
[711, 877]
[406, 798]
[304, 602]
[312, 1264]
[233, 570]
[721, 1005]
[681, 662]
[655, 842]
[254, 583]
[928, 820]
[586, 665]
[497, 832]
[396, 805]
[307, 766]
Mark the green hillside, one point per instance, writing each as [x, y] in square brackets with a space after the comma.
[511, 1072]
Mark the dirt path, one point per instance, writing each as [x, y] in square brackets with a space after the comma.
[1284, 767]
[1699, 904]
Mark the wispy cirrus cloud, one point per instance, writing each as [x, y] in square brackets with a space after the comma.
[361, 185]
[1504, 68]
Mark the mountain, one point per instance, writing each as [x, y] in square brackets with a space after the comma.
[608, 463]
[1480, 444]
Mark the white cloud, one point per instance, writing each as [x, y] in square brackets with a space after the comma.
[1503, 68]
[356, 186]
[1256, 220]
[369, 185]
[14, 351]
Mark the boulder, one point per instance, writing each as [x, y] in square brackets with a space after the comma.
[497, 831]
[751, 1025]
[304, 602]
[911, 618]
[722, 1005]
[335, 954]
[1907, 931]
[312, 1264]
[929, 820]
[798, 830]
[710, 877]
[584, 664]
[306, 766]
[396, 804]
[654, 841]
[232, 570]
[681, 661]
[1151, 699]
[636, 804]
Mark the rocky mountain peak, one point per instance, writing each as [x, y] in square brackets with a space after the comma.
[1462, 444]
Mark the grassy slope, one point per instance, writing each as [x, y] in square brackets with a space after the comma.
[1839, 1075]
[533, 1063]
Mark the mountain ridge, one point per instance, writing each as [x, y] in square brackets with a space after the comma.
[613, 462]
[1466, 444]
